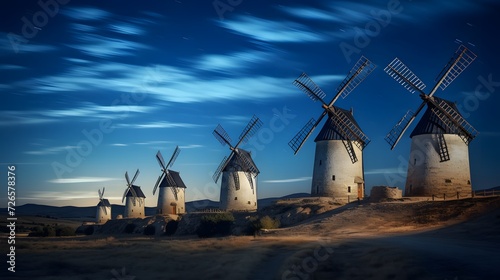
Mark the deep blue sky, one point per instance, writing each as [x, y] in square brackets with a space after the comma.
[158, 74]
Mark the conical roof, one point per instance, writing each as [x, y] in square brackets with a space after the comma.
[330, 130]
[104, 202]
[235, 163]
[137, 190]
[177, 179]
[431, 124]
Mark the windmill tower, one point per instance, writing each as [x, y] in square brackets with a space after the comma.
[103, 209]
[338, 161]
[239, 173]
[439, 155]
[134, 205]
[171, 198]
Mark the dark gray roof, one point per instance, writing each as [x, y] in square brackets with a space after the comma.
[177, 178]
[431, 124]
[330, 129]
[235, 163]
[137, 190]
[104, 202]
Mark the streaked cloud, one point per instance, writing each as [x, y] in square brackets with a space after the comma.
[309, 13]
[272, 31]
[119, 145]
[192, 146]
[162, 124]
[85, 13]
[50, 150]
[87, 112]
[292, 180]
[126, 28]
[389, 170]
[79, 180]
[11, 67]
[105, 47]
[229, 62]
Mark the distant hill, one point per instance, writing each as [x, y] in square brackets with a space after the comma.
[89, 212]
[491, 189]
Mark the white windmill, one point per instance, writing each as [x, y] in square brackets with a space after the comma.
[439, 155]
[171, 197]
[338, 161]
[239, 172]
[134, 205]
[103, 209]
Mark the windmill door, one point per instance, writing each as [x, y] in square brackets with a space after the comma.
[174, 210]
[360, 190]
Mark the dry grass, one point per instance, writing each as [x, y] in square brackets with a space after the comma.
[362, 239]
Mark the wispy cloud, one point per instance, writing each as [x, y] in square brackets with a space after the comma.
[389, 170]
[310, 13]
[126, 28]
[119, 145]
[105, 47]
[87, 111]
[78, 180]
[232, 61]
[50, 151]
[162, 124]
[293, 180]
[11, 67]
[272, 31]
[85, 13]
[192, 146]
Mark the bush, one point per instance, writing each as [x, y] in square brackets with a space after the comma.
[150, 230]
[215, 225]
[49, 231]
[129, 228]
[89, 230]
[64, 231]
[269, 223]
[265, 222]
[171, 227]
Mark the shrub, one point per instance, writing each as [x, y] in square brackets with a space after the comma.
[255, 224]
[49, 231]
[269, 223]
[150, 230]
[171, 227]
[215, 225]
[64, 231]
[129, 228]
[89, 230]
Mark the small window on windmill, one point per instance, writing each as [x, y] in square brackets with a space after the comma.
[447, 180]
[468, 182]
[249, 202]
[414, 161]
[349, 189]
[255, 204]
[319, 162]
[333, 177]
[235, 198]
